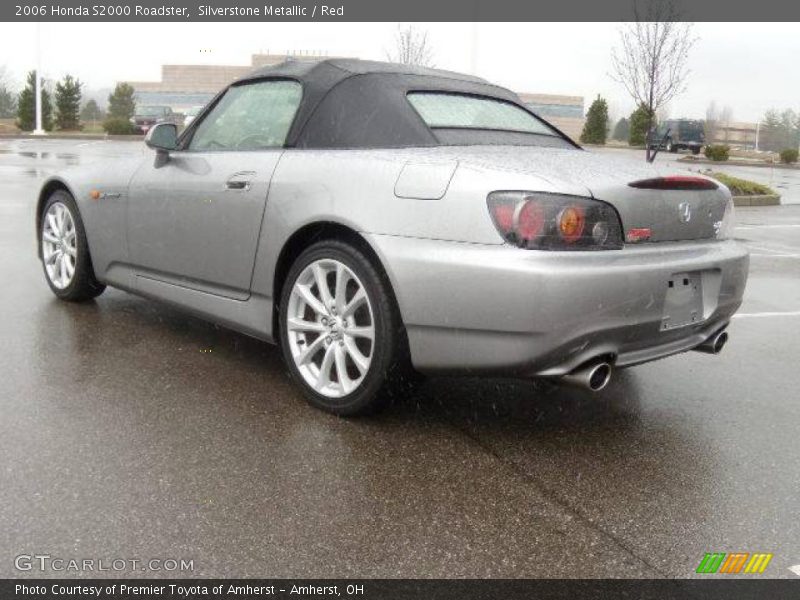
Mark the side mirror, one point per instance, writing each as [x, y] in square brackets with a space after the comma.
[162, 137]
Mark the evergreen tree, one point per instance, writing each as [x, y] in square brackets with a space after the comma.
[621, 130]
[779, 131]
[8, 101]
[91, 112]
[596, 127]
[639, 120]
[791, 136]
[68, 103]
[769, 134]
[120, 103]
[26, 106]
[8, 104]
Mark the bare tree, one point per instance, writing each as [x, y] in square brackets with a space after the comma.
[651, 60]
[711, 126]
[725, 120]
[412, 47]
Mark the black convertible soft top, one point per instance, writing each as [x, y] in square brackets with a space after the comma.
[352, 103]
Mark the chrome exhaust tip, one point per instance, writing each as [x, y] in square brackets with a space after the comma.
[714, 344]
[593, 377]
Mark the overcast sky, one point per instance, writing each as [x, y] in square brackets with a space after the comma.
[750, 67]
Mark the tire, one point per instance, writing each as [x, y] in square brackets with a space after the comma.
[319, 347]
[696, 150]
[68, 248]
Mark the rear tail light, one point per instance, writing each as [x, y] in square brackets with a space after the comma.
[555, 222]
[675, 182]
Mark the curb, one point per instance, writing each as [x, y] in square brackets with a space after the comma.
[75, 136]
[738, 163]
[766, 200]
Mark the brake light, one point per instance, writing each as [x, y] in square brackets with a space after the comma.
[555, 222]
[531, 220]
[675, 182]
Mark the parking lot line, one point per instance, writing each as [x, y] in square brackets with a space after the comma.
[786, 250]
[775, 255]
[791, 313]
[784, 226]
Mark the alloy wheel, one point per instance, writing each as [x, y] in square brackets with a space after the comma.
[330, 328]
[59, 245]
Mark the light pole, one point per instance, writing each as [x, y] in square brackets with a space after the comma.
[38, 88]
[758, 127]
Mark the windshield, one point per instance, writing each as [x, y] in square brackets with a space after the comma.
[152, 111]
[690, 128]
[460, 111]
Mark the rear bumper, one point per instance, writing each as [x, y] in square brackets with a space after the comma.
[471, 307]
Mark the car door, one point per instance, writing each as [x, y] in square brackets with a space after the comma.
[194, 219]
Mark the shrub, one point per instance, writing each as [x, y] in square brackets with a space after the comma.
[743, 187]
[789, 156]
[717, 152]
[117, 126]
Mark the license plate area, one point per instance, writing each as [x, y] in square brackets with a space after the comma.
[683, 302]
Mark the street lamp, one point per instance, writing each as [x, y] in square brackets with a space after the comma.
[38, 88]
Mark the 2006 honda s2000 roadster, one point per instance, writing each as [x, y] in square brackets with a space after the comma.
[369, 217]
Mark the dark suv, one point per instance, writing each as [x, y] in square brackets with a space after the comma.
[147, 116]
[676, 134]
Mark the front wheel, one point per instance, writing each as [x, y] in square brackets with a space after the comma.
[340, 332]
[65, 251]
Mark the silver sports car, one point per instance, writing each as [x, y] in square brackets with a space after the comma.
[372, 218]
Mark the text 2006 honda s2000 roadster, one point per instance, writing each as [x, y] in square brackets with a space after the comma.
[370, 217]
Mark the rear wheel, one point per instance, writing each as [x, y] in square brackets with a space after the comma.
[65, 252]
[340, 332]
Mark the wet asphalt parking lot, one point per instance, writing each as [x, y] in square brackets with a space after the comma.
[129, 430]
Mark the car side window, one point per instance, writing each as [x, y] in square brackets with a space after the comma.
[250, 117]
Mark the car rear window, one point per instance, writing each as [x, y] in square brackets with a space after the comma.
[442, 110]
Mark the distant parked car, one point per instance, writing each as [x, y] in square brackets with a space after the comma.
[147, 116]
[679, 134]
[191, 114]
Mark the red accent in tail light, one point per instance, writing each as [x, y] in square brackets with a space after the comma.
[638, 234]
[530, 220]
[504, 216]
[675, 182]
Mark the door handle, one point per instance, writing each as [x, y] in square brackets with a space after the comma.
[238, 185]
[240, 181]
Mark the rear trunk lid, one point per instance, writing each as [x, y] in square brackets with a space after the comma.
[668, 214]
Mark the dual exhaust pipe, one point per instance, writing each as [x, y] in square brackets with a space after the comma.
[714, 344]
[594, 376]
